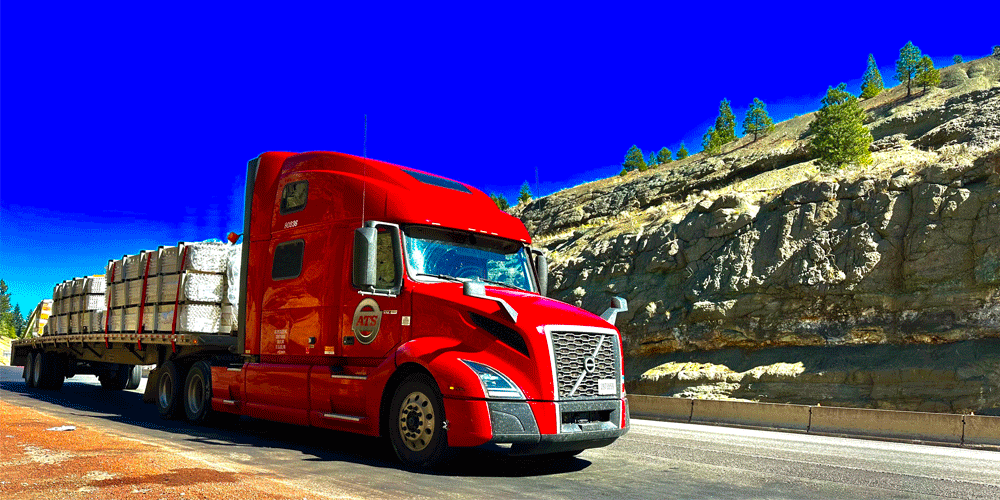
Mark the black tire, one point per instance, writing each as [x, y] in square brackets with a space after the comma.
[49, 376]
[56, 368]
[30, 378]
[416, 423]
[116, 379]
[134, 378]
[198, 393]
[169, 391]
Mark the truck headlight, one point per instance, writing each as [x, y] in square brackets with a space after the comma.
[495, 384]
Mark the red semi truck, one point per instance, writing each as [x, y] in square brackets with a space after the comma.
[385, 301]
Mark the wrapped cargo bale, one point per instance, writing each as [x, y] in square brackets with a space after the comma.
[134, 266]
[191, 318]
[74, 323]
[202, 257]
[228, 319]
[76, 287]
[115, 270]
[94, 284]
[119, 294]
[234, 260]
[97, 321]
[92, 302]
[133, 294]
[132, 318]
[194, 287]
[117, 320]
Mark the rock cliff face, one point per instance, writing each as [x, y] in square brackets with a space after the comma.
[754, 249]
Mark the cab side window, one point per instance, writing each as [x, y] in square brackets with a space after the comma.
[386, 270]
[288, 260]
[294, 197]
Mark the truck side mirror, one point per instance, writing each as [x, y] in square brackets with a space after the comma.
[365, 257]
[542, 268]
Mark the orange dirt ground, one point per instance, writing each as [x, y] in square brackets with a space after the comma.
[92, 464]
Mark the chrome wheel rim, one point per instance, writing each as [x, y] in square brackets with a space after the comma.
[36, 370]
[195, 394]
[166, 391]
[416, 421]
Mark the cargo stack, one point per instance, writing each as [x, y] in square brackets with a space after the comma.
[175, 289]
[76, 304]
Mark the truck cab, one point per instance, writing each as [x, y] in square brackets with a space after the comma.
[387, 301]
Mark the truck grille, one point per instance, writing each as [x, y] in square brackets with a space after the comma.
[572, 351]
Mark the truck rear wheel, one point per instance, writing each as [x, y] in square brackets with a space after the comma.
[116, 379]
[416, 422]
[198, 393]
[169, 391]
[30, 375]
[53, 371]
[134, 378]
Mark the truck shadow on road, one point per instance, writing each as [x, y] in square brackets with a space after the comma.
[257, 442]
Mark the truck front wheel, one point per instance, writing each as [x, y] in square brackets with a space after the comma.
[169, 391]
[416, 425]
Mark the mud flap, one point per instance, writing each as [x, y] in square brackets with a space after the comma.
[152, 380]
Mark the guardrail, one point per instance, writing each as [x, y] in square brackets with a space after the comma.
[971, 431]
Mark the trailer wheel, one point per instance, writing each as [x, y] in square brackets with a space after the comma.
[134, 378]
[198, 393]
[416, 425]
[169, 391]
[30, 377]
[116, 379]
[53, 371]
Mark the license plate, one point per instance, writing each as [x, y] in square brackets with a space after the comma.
[606, 387]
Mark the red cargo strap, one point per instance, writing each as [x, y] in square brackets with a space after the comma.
[177, 299]
[107, 314]
[142, 304]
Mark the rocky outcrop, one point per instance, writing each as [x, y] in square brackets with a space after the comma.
[909, 259]
[905, 255]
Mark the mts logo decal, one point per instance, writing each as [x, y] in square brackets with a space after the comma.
[367, 319]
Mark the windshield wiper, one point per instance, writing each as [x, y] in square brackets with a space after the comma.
[499, 283]
[443, 277]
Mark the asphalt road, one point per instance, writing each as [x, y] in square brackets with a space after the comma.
[654, 460]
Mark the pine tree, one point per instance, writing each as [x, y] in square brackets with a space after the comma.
[6, 318]
[838, 133]
[634, 159]
[709, 143]
[500, 200]
[725, 124]
[957, 59]
[651, 161]
[871, 82]
[19, 322]
[927, 74]
[664, 156]
[622, 173]
[907, 65]
[757, 120]
[525, 195]
[682, 152]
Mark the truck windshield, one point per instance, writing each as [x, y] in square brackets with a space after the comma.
[450, 254]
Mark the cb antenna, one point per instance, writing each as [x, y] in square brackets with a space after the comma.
[364, 170]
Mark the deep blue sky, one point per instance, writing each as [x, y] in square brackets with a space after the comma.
[126, 127]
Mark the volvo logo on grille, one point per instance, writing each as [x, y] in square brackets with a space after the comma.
[590, 364]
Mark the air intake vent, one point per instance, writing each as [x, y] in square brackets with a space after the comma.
[504, 333]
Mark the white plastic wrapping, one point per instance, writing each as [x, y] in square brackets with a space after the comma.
[94, 285]
[191, 318]
[195, 287]
[203, 257]
[234, 262]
